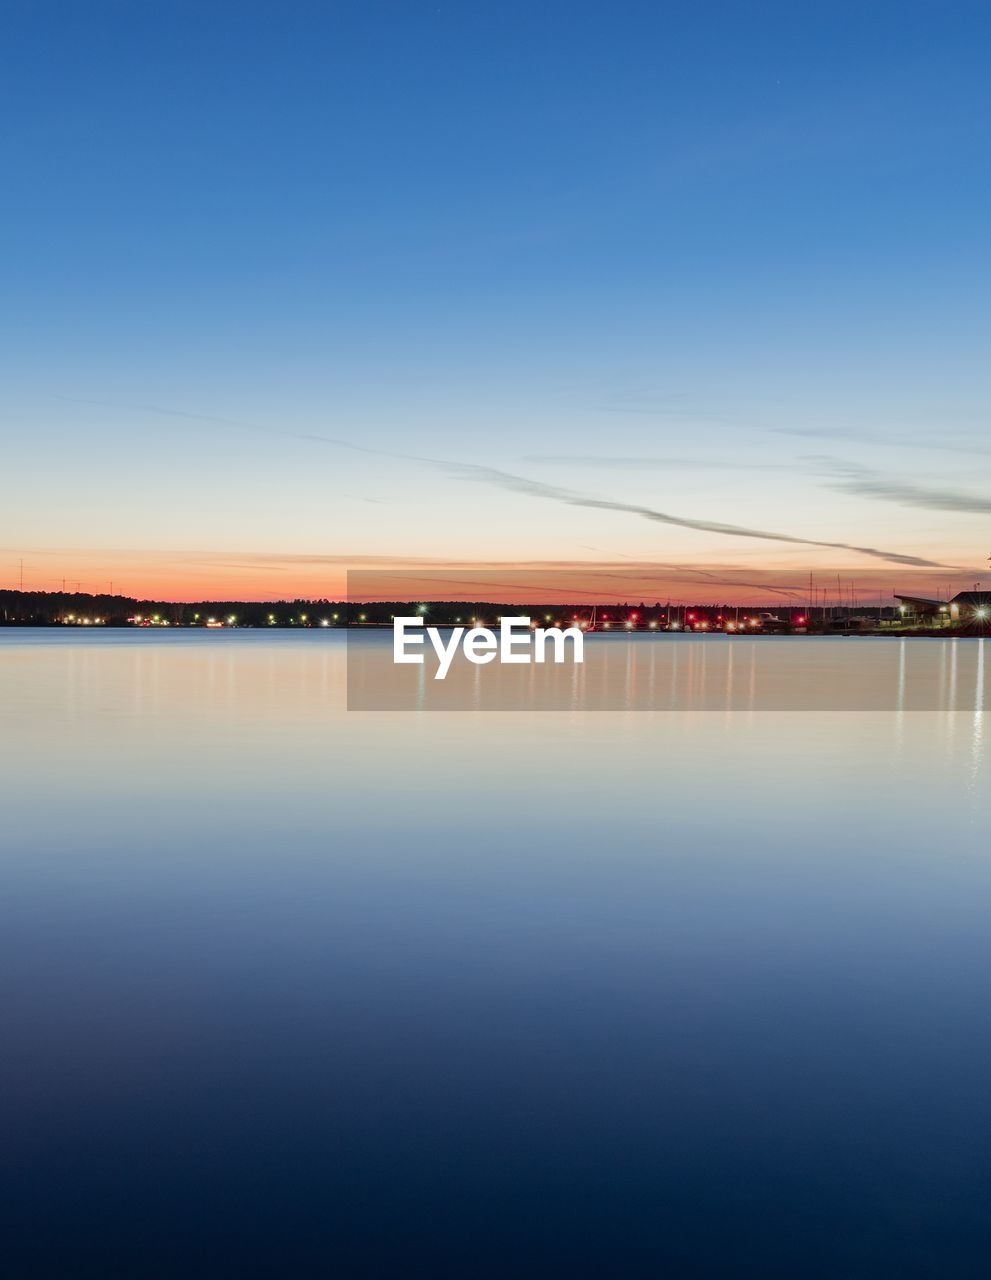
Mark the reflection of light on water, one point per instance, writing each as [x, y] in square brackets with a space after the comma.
[675, 673]
[900, 698]
[753, 675]
[977, 736]
[674, 676]
[703, 654]
[942, 677]
[945, 706]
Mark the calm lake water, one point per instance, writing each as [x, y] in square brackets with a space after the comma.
[294, 991]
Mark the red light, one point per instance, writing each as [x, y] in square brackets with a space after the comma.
[691, 617]
[800, 618]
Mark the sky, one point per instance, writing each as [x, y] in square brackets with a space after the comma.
[697, 292]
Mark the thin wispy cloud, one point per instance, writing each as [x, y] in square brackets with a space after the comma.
[600, 462]
[844, 477]
[647, 411]
[935, 441]
[537, 489]
[161, 412]
[866, 483]
[651, 404]
[512, 483]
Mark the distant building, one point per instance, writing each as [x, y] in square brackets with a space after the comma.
[967, 608]
[921, 611]
[971, 606]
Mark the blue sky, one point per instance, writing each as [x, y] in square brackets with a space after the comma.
[741, 247]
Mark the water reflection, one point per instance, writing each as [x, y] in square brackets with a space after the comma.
[977, 742]
[493, 995]
[687, 673]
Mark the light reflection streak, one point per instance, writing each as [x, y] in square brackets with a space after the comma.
[977, 734]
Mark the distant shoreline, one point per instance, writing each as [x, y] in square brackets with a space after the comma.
[381, 628]
[82, 610]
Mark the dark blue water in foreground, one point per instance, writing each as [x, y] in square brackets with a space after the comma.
[288, 991]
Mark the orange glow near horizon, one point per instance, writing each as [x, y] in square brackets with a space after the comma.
[200, 576]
